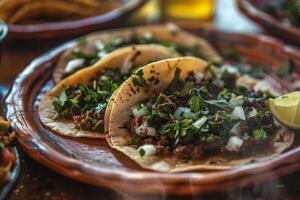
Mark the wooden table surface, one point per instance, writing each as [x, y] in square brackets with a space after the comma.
[38, 182]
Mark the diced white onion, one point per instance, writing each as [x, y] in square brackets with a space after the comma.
[237, 101]
[141, 128]
[230, 69]
[151, 131]
[246, 81]
[74, 64]
[235, 130]
[101, 54]
[252, 113]
[139, 112]
[183, 132]
[238, 113]
[198, 77]
[234, 143]
[99, 45]
[190, 115]
[200, 122]
[277, 123]
[178, 114]
[148, 35]
[148, 149]
[265, 85]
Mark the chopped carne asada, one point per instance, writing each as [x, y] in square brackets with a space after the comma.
[192, 118]
[85, 104]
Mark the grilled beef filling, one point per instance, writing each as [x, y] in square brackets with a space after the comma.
[85, 104]
[194, 117]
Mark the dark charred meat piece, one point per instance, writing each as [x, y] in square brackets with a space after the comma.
[215, 146]
[229, 80]
[188, 151]
[166, 103]
[251, 146]
[89, 120]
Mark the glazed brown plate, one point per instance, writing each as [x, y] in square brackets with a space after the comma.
[76, 27]
[94, 162]
[254, 10]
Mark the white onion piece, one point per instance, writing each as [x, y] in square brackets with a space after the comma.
[101, 54]
[200, 122]
[148, 35]
[264, 86]
[230, 69]
[141, 128]
[234, 143]
[140, 112]
[238, 113]
[151, 131]
[237, 101]
[235, 130]
[198, 77]
[74, 64]
[246, 81]
[99, 45]
[252, 113]
[147, 149]
[179, 111]
[183, 132]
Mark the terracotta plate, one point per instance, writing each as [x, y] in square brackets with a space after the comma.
[93, 162]
[254, 10]
[74, 28]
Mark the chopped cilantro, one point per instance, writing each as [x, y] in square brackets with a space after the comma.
[195, 103]
[259, 134]
[138, 80]
[142, 151]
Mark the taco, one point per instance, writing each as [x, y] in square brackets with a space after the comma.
[183, 114]
[76, 106]
[95, 46]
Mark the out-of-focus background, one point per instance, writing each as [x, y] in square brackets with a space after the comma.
[221, 14]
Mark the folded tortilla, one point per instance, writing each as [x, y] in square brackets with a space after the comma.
[121, 58]
[160, 33]
[129, 95]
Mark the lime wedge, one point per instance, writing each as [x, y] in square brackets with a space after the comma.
[286, 109]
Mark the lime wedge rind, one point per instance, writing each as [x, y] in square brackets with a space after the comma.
[286, 109]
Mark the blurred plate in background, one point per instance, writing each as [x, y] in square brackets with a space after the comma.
[73, 28]
[254, 9]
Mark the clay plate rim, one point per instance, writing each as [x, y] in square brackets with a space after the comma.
[268, 22]
[73, 28]
[135, 181]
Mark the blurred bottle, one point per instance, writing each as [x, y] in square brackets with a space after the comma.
[149, 13]
[202, 10]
